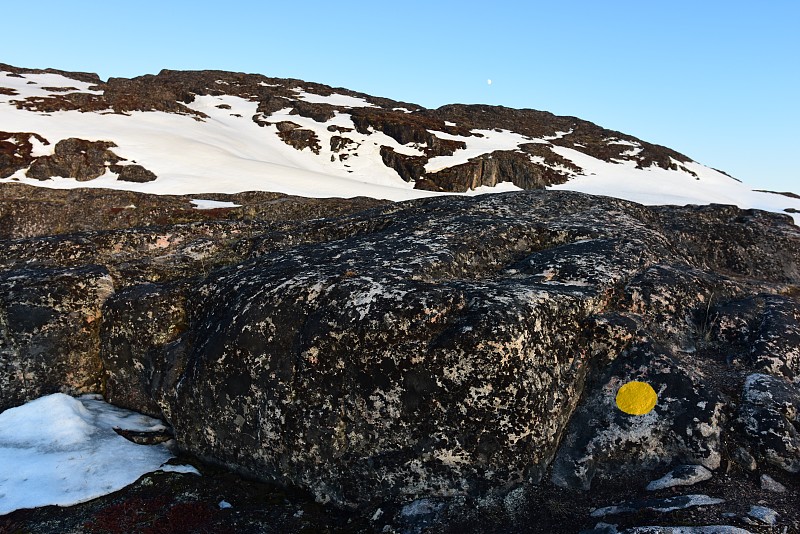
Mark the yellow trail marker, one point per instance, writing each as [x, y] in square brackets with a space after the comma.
[636, 398]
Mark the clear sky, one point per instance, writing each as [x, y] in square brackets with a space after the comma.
[716, 80]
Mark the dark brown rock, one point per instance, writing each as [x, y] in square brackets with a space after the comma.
[133, 173]
[293, 135]
[492, 169]
[49, 324]
[410, 168]
[75, 158]
[16, 151]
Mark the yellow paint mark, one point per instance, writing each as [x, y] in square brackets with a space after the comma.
[636, 398]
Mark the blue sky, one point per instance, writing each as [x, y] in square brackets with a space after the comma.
[716, 80]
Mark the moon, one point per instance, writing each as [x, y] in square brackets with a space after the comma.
[489, 81]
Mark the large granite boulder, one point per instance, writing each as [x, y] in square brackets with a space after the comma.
[440, 349]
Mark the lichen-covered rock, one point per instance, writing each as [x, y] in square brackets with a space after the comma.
[769, 415]
[137, 322]
[684, 427]
[49, 323]
[354, 375]
[438, 350]
[75, 158]
[133, 173]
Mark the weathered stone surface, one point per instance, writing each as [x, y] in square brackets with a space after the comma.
[292, 134]
[683, 475]
[133, 173]
[442, 351]
[137, 322]
[770, 417]
[49, 323]
[770, 484]
[666, 504]
[492, 169]
[764, 515]
[27, 212]
[75, 158]
[685, 426]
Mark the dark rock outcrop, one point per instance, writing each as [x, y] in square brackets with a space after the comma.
[769, 415]
[16, 151]
[293, 135]
[75, 158]
[410, 168]
[49, 326]
[133, 173]
[492, 169]
[440, 358]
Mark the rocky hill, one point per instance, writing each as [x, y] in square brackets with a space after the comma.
[181, 132]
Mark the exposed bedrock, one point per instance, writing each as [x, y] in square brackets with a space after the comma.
[447, 346]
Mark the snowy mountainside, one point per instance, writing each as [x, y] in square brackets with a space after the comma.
[212, 131]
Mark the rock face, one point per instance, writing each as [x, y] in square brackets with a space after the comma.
[441, 349]
[49, 322]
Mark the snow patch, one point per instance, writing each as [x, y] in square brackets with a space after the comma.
[41, 81]
[60, 450]
[335, 99]
[202, 204]
[485, 142]
[657, 186]
[185, 469]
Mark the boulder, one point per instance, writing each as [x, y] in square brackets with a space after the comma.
[133, 173]
[75, 158]
[436, 351]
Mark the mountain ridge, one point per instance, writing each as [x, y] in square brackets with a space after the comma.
[254, 132]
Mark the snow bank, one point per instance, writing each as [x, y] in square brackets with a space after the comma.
[61, 450]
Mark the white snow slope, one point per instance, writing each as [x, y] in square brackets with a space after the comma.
[228, 153]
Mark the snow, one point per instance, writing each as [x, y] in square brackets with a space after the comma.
[25, 89]
[558, 135]
[335, 99]
[655, 186]
[485, 142]
[203, 204]
[185, 469]
[60, 450]
[222, 154]
[615, 141]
